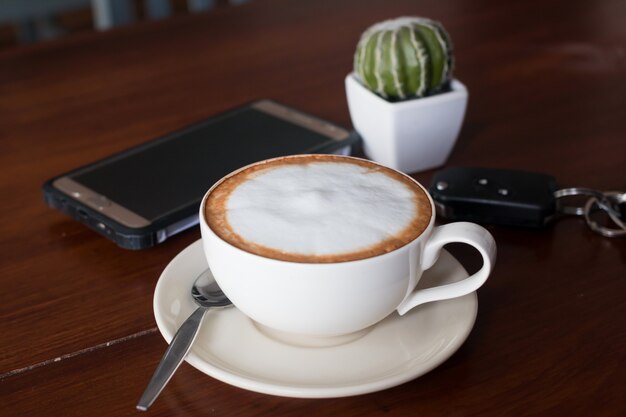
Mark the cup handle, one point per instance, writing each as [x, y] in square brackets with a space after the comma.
[463, 232]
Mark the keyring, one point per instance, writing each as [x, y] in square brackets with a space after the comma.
[599, 197]
[593, 205]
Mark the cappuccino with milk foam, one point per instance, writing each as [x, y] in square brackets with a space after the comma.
[317, 209]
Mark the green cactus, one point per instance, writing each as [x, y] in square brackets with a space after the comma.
[404, 58]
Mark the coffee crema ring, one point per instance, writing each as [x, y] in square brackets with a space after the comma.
[275, 208]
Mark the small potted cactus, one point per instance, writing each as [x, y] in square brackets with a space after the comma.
[402, 98]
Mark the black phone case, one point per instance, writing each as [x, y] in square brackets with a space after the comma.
[124, 236]
[164, 227]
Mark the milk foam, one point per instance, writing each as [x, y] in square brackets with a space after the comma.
[320, 208]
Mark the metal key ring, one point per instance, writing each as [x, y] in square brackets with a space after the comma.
[593, 205]
[576, 191]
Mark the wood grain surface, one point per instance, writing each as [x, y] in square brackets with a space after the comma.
[547, 93]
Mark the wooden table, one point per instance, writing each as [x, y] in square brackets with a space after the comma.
[547, 93]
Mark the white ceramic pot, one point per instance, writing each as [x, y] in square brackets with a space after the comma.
[411, 135]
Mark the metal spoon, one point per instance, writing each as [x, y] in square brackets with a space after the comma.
[207, 294]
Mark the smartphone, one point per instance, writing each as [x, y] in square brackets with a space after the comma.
[140, 197]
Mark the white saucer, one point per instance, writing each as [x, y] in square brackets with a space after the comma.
[231, 349]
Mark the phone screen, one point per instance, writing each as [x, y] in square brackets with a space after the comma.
[159, 179]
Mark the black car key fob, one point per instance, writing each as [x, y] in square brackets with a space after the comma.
[495, 196]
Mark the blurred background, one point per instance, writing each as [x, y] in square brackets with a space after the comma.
[30, 21]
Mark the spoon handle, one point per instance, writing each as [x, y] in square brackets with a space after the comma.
[173, 357]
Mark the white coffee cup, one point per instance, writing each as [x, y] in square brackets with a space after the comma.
[324, 300]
